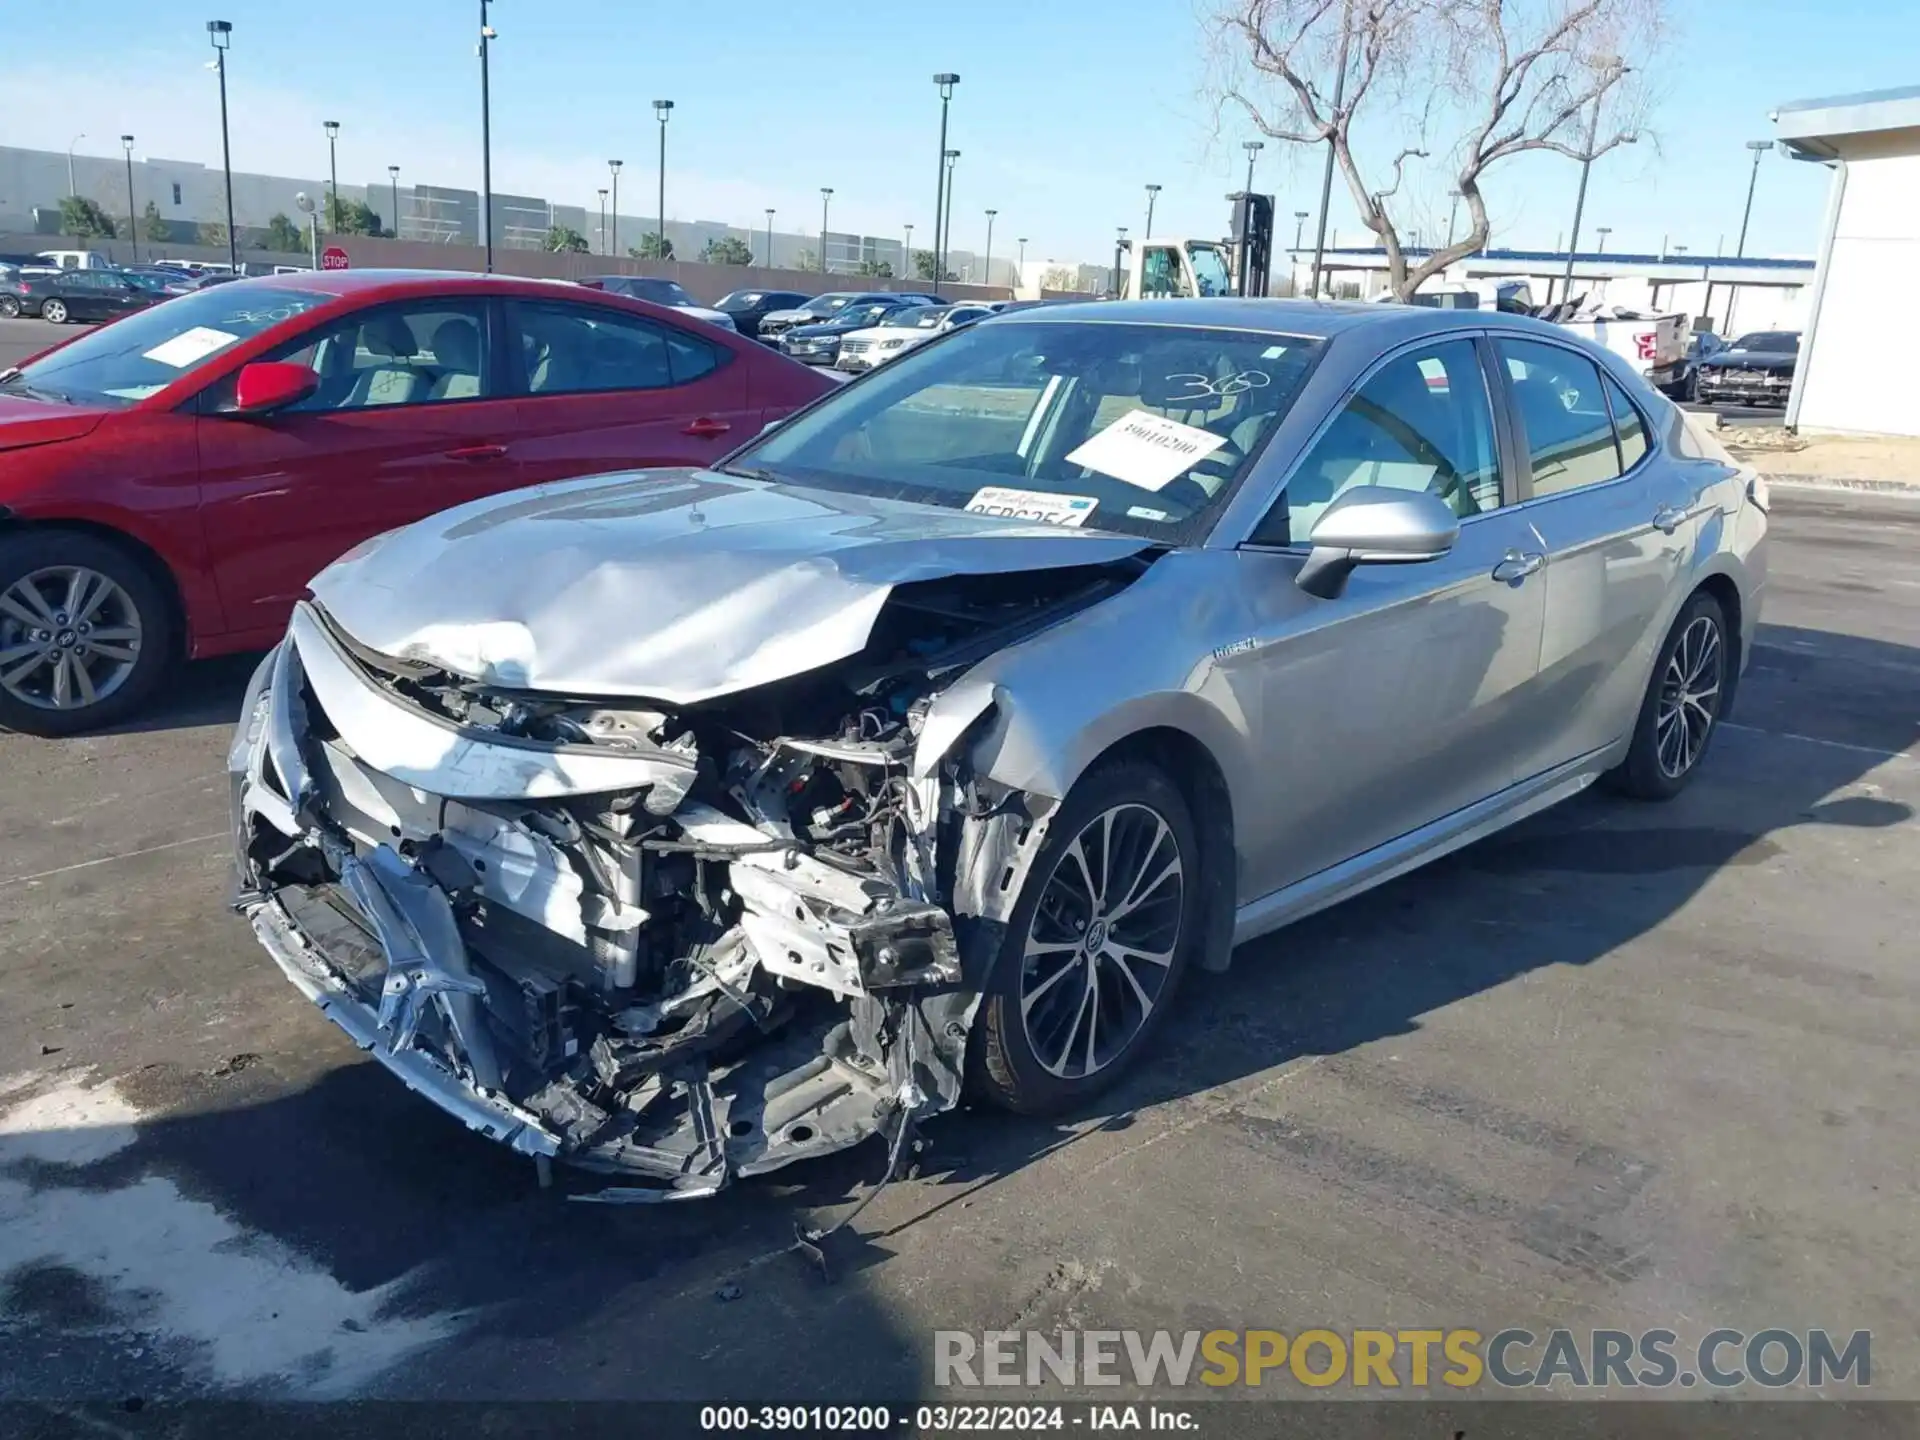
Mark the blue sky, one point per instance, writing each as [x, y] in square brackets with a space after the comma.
[1064, 112]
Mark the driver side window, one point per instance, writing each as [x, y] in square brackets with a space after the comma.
[1422, 421]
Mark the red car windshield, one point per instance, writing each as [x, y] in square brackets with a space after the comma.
[149, 350]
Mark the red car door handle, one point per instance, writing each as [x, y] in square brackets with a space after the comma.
[477, 452]
[706, 429]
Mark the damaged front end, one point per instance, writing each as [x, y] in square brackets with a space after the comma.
[679, 943]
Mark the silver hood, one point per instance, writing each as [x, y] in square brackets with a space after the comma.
[676, 585]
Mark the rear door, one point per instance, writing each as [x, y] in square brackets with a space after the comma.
[410, 418]
[1617, 525]
[606, 389]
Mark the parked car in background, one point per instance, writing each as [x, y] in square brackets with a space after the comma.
[1703, 346]
[747, 308]
[903, 329]
[75, 260]
[819, 344]
[972, 723]
[823, 308]
[660, 292]
[172, 282]
[172, 481]
[1756, 369]
[31, 264]
[86, 295]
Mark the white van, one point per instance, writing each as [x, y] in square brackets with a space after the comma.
[75, 259]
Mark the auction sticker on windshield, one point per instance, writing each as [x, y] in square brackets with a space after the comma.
[1147, 450]
[190, 345]
[1068, 510]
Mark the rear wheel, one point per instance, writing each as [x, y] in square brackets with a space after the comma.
[9, 307]
[1096, 945]
[1682, 705]
[86, 632]
[54, 311]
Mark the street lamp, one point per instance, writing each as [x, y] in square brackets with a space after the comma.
[906, 272]
[946, 219]
[945, 80]
[826, 195]
[662, 108]
[1253, 148]
[613, 246]
[1299, 226]
[1609, 64]
[220, 33]
[487, 37]
[133, 229]
[769, 261]
[1603, 231]
[70, 144]
[1759, 148]
[1153, 193]
[393, 197]
[1119, 244]
[1020, 267]
[1453, 213]
[986, 265]
[1326, 177]
[332, 127]
[602, 193]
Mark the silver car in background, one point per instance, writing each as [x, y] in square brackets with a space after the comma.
[688, 823]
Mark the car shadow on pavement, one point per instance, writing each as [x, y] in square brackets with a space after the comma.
[383, 1196]
[204, 692]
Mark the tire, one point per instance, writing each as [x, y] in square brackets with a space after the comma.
[1659, 765]
[54, 312]
[1143, 812]
[128, 645]
[9, 307]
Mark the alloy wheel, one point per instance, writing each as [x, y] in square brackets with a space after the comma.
[54, 313]
[1689, 697]
[1102, 941]
[69, 637]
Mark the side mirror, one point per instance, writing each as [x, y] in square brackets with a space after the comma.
[1375, 525]
[269, 385]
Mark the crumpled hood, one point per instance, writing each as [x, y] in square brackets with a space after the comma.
[676, 585]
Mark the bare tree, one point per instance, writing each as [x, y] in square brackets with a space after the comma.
[1466, 83]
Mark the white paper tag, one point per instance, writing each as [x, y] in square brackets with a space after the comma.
[190, 345]
[1069, 510]
[1146, 450]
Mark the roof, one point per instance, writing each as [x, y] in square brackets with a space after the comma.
[1278, 317]
[1623, 260]
[1810, 127]
[352, 282]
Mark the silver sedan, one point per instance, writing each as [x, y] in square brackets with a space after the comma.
[688, 823]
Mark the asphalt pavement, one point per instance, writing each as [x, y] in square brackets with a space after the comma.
[1623, 1066]
[22, 339]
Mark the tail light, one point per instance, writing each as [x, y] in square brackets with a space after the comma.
[22, 288]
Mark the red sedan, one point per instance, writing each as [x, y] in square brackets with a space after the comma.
[170, 482]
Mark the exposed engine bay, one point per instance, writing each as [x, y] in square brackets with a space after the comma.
[682, 942]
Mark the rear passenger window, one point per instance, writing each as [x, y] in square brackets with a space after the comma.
[1627, 425]
[1563, 414]
[574, 349]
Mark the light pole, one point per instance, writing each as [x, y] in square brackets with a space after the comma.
[1153, 193]
[1759, 148]
[70, 144]
[945, 81]
[613, 245]
[1326, 178]
[826, 195]
[332, 127]
[946, 219]
[1602, 231]
[1253, 148]
[393, 197]
[1119, 244]
[1020, 266]
[133, 227]
[220, 32]
[906, 271]
[486, 139]
[1299, 225]
[986, 265]
[1611, 64]
[662, 108]
[304, 204]
[602, 193]
[1453, 213]
[769, 261]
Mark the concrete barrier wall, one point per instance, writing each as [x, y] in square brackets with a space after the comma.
[705, 283]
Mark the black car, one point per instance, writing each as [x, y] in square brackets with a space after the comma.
[749, 307]
[1757, 369]
[824, 308]
[76, 295]
[820, 344]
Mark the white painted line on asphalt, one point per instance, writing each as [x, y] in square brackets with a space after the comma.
[109, 859]
[1829, 744]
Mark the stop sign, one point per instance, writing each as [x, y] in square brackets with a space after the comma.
[333, 258]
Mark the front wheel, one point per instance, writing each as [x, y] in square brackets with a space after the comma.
[1095, 947]
[1682, 707]
[54, 312]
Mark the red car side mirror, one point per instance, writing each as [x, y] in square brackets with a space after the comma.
[269, 385]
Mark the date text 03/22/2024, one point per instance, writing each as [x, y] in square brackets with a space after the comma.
[930, 1420]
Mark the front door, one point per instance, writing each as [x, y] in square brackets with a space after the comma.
[607, 389]
[1405, 698]
[1617, 525]
[408, 420]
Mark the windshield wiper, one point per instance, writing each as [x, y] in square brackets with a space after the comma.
[751, 472]
[12, 382]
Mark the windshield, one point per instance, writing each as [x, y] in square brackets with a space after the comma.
[917, 317]
[144, 282]
[150, 349]
[1210, 269]
[1776, 342]
[1141, 429]
[661, 292]
[740, 300]
[827, 304]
